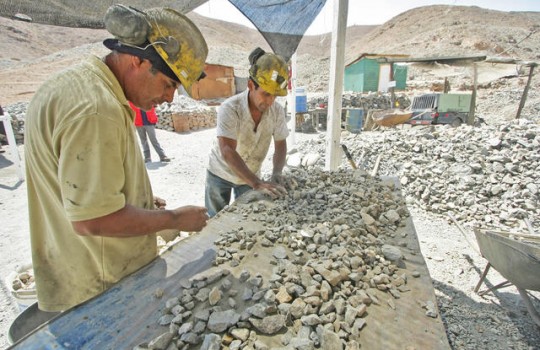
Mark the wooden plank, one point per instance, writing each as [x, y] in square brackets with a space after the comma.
[127, 314]
[525, 92]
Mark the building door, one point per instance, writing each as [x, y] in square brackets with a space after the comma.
[384, 77]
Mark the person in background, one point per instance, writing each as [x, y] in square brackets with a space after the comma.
[145, 121]
[246, 125]
[93, 216]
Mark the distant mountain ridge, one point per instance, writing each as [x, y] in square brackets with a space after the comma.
[427, 30]
[438, 30]
[456, 30]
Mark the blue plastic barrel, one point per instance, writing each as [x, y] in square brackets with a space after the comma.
[355, 118]
[301, 100]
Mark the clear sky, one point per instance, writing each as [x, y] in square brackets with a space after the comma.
[363, 12]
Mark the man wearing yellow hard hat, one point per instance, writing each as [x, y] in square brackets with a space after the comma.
[246, 125]
[93, 216]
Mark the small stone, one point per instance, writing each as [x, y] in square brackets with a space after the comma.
[268, 325]
[214, 296]
[240, 333]
[283, 296]
[280, 253]
[161, 342]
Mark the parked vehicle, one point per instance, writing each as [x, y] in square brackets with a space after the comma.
[440, 108]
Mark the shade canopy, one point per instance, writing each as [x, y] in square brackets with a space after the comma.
[281, 22]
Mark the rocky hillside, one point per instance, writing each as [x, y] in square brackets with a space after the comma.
[425, 31]
[442, 30]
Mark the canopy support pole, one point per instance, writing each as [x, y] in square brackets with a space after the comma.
[291, 139]
[337, 59]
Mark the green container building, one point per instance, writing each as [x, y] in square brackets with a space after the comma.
[370, 73]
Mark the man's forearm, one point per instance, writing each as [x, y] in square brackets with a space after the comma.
[279, 158]
[126, 222]
[239, 167]
[131, 221]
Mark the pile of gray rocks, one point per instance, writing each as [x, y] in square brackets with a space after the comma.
[17, 112]
[366, 101]
[487, 176]
[197, 114]
[330, 242]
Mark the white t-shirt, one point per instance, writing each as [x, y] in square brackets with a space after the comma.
[234, 121]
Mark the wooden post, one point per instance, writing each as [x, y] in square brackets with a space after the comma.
[525, 91]
[335, 86]
[392, 88]
[472, 108]
[291, 139]
[15, 157]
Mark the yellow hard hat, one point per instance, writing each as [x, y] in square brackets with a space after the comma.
[172, 35]
[269, 71]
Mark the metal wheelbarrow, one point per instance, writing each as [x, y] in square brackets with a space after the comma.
[517, 258]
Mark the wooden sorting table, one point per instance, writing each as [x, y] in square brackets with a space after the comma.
[127, 314]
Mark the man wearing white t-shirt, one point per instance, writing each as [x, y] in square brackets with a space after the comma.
[246, 125]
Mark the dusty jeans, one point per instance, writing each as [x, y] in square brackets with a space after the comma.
[149, 130]
[218, 193]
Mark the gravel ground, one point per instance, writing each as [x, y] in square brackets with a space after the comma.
[498, 320]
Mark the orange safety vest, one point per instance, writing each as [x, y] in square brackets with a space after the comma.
[150, 115]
